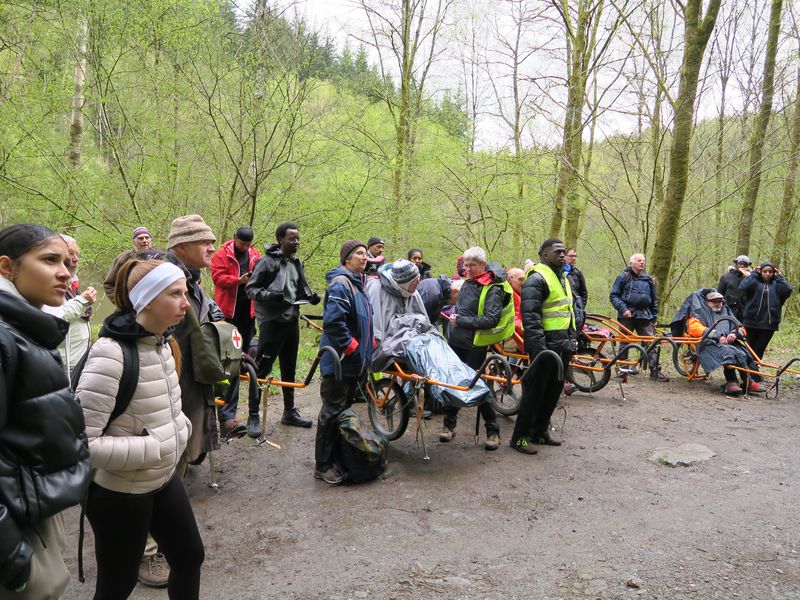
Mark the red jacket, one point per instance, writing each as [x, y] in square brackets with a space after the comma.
[225, 275]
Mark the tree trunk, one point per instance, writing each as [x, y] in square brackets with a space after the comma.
[76, 120]
[780, 243]
[697, 30]
[760, 131]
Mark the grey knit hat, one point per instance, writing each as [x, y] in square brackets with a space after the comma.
[189, 228]
[404, 272]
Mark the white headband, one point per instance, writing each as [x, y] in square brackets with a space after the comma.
[152, 284]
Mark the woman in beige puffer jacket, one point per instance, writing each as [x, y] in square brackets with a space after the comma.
[135, 489]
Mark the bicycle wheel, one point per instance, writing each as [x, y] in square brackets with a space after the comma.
[684, 359]
[588, 379]
[505, 400]
[390, 419]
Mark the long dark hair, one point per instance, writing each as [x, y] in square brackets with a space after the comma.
[18, 240]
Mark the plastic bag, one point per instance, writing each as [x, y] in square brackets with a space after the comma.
[430, 356]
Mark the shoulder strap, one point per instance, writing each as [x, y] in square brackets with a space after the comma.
[346, 280]
[127, 382]
[129, 379]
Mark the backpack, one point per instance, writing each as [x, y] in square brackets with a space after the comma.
[127, 383]
[216, 349]
[361, 449]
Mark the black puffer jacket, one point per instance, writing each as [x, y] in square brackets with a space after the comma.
[266, 286]
[534, 293]
[468, 321]
[44, 455]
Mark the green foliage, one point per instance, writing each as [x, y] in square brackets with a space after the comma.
[260, 120]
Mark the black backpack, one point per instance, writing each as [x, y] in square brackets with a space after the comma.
[361, 450]
[127, 383]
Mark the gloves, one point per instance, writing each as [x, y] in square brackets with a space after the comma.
[315, 299]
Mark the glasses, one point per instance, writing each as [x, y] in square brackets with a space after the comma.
[359, 253]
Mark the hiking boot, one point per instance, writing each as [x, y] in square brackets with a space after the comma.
[233, 428]
[756, 387]
[293, 418]
[446, 435]
[658, 376]
[569, 388]
[154, 571]
[546, 440]
[523, 445]
[492, 442]
[330, 475]
[732, 388]
[254, 426]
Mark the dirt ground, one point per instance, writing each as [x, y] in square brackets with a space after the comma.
[591, 519]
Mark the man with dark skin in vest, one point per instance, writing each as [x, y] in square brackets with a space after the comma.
[548, 321]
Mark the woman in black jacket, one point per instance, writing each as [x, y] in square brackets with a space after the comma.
[464, 324]
[44, 457]
[765, 291]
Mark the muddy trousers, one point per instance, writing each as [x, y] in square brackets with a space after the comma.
[541, 390]
[120, 523]
[336, 397]
[245, 326]
[277, 339]
[473, 358]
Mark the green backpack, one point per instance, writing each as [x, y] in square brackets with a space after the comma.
[216, 349]
[361, 450]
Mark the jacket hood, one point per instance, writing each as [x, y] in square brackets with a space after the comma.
[123, 326]
[642, 275]
[44, 329]
[388, 282]
[274, 250]
[695, 306]
[356, 278]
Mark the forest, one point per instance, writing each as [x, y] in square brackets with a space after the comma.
[666, 127]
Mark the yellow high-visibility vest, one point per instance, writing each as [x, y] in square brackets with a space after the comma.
[505, 326]
[557, 311]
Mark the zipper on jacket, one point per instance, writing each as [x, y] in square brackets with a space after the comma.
[159, 351]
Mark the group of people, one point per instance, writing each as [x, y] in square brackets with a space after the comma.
[143, 416]
[747, 305]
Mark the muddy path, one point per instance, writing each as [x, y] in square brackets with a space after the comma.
[591, 519]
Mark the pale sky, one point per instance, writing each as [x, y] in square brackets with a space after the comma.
[345, 21]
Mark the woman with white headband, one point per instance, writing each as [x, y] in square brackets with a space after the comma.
[134, 488]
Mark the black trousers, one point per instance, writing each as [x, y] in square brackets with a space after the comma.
[246, 326]
[336, 397]
[277, 339]
[473, 358]
[120, 523]
[541, 390]
[759, 340]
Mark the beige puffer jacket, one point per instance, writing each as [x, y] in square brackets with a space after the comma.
[140, 449]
